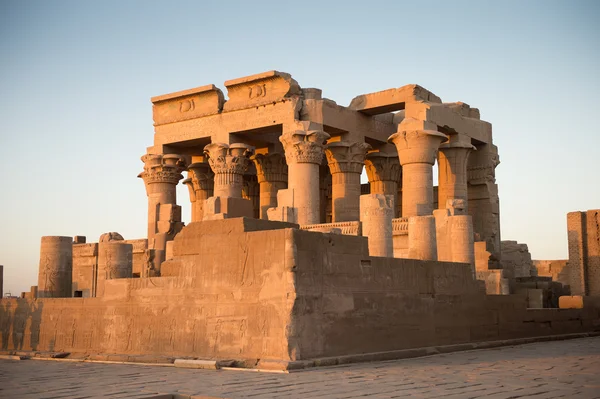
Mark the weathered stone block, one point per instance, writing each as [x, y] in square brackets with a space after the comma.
[187, 104]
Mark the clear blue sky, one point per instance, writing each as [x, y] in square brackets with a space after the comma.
[76, 79]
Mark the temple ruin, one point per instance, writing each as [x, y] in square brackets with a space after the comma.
[288, 257]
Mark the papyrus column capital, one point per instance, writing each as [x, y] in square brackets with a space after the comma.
[344, 157]
[159, 168]
[201, 176]
[270, 167]
[304, 146]
[383, 167]
[228, 158]
[417, 146]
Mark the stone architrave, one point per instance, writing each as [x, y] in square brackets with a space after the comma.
[304, 151]
[56, 267]
[272, 175]
[384, 173]
[417, 150]
[229, 162]
[200, 182]
[161, 175]
[345, 162]
[452, 172]
[377, 211]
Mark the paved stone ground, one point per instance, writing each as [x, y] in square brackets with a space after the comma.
[567, 369]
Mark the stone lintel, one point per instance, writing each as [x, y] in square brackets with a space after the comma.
[261, 89]
[89, 249]
[139, 245]
[464, 109]
[187, 104]
[390, 100]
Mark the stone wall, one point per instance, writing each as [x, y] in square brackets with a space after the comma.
[85, 263]
[557, 269]
[254, 289]
[584, 252]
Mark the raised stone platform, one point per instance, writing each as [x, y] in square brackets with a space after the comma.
[254, 289]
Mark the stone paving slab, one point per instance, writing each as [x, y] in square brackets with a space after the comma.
[544, 370]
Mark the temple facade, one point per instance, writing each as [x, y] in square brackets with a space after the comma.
[289, 257]
[276, 151]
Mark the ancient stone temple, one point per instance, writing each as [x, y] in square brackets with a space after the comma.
[289, 257]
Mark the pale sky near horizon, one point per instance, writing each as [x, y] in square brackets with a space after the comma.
[76, 79]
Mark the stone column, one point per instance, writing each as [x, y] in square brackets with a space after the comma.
[422, 238]
[1, 281]
[56, 267]
[345, 162]
[200, 183]
[161, 175]
[304, 153]
[115, 260]
[325, 182]
[483, 200]
[229, 162]
[251, 191]
[272, 175]
[452, 172]
[460, 231]
[417, 150]
[384, 173]
[376, 213]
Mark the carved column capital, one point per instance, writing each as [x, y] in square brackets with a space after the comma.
[228, 158]
[160, 168]
[417, 146]
[344, 157]
[383, 167]
[304, 146]
[271, 167]
[201, 176]
[482, 170]
[229, 162]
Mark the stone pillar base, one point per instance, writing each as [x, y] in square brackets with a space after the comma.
[285, 210]
[422, 238]
[377, 211]
[227, 208]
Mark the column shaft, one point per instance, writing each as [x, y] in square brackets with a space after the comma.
[268, 195]
[452, 172]
[303, 179]
[56, 267]
[417, 189]
[345, 192]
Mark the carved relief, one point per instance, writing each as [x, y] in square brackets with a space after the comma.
[187, 105]
[257, 91]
